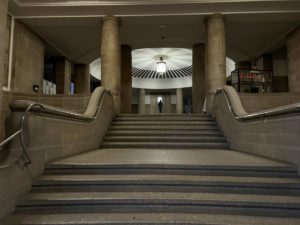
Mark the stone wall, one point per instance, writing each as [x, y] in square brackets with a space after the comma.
[280, 71]
[276, 138]
[57, 137]
[3, 16]
[28, 60]
[257, 102]
[77, 103]
[293, 55]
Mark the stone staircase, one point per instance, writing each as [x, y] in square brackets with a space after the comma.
[164, 131]
[163, 169]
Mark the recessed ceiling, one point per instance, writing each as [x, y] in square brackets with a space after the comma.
[23, 8]
[178, 62]
[74, 27]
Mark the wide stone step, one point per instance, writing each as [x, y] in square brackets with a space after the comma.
[175, 139]
[189, 133]
[146, 122]
[163, 118]
[165, 127]
[165, 145]
[164, 115]
[242, 204]
[190, 183]
[146, 219]
[171, 169]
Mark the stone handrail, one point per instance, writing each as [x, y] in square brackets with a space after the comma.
[270, 133]
[46, 110]
[237, 109]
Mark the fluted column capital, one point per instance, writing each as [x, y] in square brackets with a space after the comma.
[112, 19]
[215, 16]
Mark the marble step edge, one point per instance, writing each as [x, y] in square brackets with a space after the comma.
[160, 125]
[149, 138]
[173, 145]
[164, 128]
[169, 118]
[163, 132]
[163, 114]
[253, 168]
[235, 182]
[140, 202]
[161, 122]
[145, 219]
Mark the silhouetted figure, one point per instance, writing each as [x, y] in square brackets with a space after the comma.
[160, 105]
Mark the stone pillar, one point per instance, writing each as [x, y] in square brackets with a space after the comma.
[126, 79]
[167, 107]
[63, 76]
[264, 62]
[243, 65]
[293, 58]
[3, 18]
[215, 56]
[179, 101]
[111, 57]
[198, 88]
[82, 79]
[142, 106]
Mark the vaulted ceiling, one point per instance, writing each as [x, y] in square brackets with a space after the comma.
[73, 27]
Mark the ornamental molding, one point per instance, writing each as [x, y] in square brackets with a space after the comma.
[74, 3]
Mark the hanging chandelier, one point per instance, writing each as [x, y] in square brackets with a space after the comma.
[161, 66]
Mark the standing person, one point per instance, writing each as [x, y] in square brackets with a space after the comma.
[160, 105]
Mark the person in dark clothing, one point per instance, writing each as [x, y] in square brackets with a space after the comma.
[160, 105]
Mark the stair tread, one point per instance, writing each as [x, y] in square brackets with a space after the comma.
[157, 143]
[163, 178]
[175, 122]
[163, 115]
[166, 126]
[164, 132]
[166, 118]
[173, 138]
[159, 197]
[142, 165]
[147, 218]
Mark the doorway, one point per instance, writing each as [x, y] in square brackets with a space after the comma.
[166, 103]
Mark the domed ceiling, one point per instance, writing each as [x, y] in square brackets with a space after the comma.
[178, 63]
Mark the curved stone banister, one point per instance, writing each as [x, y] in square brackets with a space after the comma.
[237, 109]
[46, 110]
[272, 133]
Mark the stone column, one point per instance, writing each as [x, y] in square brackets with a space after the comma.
[3, 18]
[167, 107]
[198, 88]
[63, 76]
[111, 57]
[142, 106]
[179, 101]
[126, 79]
[215, 56]
[293, 57]
[243, 65]
[82, 79]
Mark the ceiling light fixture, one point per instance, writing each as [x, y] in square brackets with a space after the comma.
[161, 66]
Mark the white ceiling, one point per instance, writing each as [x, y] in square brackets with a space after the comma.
[144, 75]
[73, 27]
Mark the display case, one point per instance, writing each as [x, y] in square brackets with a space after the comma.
[254, 81]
